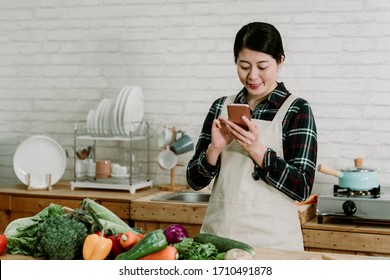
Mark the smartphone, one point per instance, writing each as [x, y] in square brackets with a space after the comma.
[236, 111]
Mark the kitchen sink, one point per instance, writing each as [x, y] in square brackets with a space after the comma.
[187, 197]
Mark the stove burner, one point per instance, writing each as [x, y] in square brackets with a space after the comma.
[346, 192]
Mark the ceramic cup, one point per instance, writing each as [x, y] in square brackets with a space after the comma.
[81, 168]
[91, 170]
[167, 159]
[166, 137]
[103, 169]
[182, 145]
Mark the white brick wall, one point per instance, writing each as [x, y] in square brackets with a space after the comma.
[58, 59]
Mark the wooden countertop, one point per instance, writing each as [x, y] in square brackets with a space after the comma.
[62, 189]
[144, 208]
[141, 198]
[261, 254]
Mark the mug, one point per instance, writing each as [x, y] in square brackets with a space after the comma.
[166, 137]
[182, 145]
[81, 168]
[103, 169]
[167, 159]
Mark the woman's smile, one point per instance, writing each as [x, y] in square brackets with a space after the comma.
[257, 71]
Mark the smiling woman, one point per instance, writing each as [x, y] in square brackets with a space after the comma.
[272, 163]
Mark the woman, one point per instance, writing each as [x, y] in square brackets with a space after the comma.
[259, 173]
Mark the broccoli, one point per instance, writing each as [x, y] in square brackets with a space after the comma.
[61, 237]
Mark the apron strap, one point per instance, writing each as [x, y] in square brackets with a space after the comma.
[229, 99]
[283, 110]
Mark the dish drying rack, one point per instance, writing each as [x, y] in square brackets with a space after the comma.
[129, 182]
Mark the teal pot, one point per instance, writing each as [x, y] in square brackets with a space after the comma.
[355, 179]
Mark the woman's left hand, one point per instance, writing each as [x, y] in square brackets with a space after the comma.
[249, 139]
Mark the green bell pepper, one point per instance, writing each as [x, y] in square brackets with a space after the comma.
[152, 242]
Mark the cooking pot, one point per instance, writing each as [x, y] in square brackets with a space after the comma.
[355, 179]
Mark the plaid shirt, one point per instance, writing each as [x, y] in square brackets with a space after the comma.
[293, 174]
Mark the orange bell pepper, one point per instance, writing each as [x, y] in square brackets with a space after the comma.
[96, 247]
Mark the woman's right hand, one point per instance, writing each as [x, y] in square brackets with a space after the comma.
[220, 135]
[220, 138]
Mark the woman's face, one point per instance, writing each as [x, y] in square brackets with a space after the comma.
[257, 71]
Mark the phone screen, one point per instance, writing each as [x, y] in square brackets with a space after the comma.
[236, 111]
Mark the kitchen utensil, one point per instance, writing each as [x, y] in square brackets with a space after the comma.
[182, 145]
[356, 178]
[39, 156]
[166, 137]
[167, 159]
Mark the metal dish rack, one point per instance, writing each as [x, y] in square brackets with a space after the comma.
[130, 183]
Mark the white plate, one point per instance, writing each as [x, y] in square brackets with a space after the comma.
[122, 109]
[101, 111]
[116, 110]
[105, 102]
[91, 121]
[133, 111]
[39, 156]
[107, 116]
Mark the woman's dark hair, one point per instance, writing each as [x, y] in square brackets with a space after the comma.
[259, 36]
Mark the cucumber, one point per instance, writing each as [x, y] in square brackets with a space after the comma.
[223, 244]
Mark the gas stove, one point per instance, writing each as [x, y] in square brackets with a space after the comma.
[371, 205]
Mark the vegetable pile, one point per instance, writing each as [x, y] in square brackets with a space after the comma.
[3, 243]
[92, 232]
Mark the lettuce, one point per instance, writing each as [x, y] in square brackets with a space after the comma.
[21, 233]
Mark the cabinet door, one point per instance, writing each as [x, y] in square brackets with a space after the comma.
[121, 209]
[15, 207]
[30, 206]
[5, 212]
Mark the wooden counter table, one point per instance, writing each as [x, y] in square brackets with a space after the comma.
[261, 254]
[17, 202]
[150, 215]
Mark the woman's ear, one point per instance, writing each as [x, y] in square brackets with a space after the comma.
[281, 61]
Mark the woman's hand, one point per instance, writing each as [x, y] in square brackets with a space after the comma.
[220, 138]
[249, 139]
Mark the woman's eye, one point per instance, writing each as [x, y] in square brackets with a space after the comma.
[262, 68]
[244, 68]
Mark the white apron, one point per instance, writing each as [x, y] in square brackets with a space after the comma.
[252, 211]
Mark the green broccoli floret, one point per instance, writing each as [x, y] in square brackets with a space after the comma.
[61, 238]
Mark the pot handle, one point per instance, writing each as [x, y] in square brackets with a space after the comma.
[327, 170]
[358, 162]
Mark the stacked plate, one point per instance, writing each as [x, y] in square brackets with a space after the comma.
[117, 117]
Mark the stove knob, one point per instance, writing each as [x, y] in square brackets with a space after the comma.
[349, 207]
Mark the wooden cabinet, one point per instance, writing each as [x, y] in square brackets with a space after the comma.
[347, 237]
[17, 202]
[14, 207]
[150, 215]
